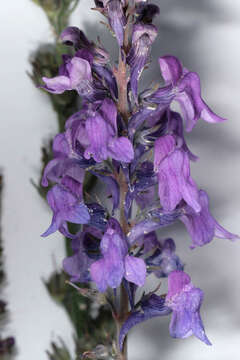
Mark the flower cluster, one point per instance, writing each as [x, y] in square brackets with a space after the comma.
[134, 143]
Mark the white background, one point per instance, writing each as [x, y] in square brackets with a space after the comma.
[205, 35]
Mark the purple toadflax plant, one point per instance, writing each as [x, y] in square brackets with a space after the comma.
[134, 144]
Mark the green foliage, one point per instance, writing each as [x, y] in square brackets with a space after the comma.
[90, 329]
[58, 12]
[59, 352]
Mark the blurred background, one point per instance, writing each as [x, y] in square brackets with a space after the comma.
[205, 36]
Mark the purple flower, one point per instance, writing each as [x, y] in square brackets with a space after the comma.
[142, 189]
[142, 39]
[65, 207]
[164, 260]
[115, 262]
[97, 216]
[76, 133]
[74, 74]
[202, 226]
[86, 250]
[102, 133]
[151, 306]
[144, 114]
[184, 87]
[73, 36]
[173, 168]
[155, 220]
[113, 10]
[185, 301]
[146, 12]
[66, 168]
[112, 137]
[116, 18]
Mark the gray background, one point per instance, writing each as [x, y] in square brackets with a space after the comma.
[205, 35]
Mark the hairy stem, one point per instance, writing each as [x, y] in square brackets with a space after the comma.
[119, 320]
[123, 191]
[121, 75]
[122, 81]
[123, 302]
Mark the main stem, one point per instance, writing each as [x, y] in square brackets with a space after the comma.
[121, 78]
[123, 303]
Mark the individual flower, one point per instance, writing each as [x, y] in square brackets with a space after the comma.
[155, 220]
[86, 251]
[75, 37]
[173, 169]
[76, 133]
[142, 39]
[113, 9]
[67, 166]
[164, 260]
[65, 207]
[184, 87]
[97, 216]
[115, 263]
[202, 226]
[102, 132]
[142, 189]
[144, 114]
[146, 12]
[185, 300]
[74, 74]
[150, 306]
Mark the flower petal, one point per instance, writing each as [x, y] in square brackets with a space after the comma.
[79, 71]
[74, 36]
[163, 147]
[98, 274]
[98, 137]
[78, 214]
[171, 69]
[177, 280]
[109, 113]
[57, 84]
[121, 149]
[135, 270]
[146, 226]
[55, 225]
[117, 19]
